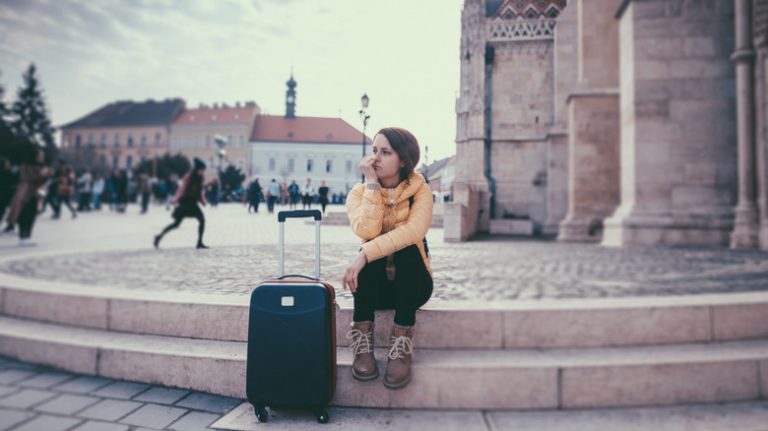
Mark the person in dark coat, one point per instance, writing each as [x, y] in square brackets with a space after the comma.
[8, 181]
[323, 192]
[254, 195]
[23, 210]
[191, 192]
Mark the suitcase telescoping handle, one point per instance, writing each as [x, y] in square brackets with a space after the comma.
[281, 216]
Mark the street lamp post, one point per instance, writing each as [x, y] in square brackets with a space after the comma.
[364, 116]
[221, 153]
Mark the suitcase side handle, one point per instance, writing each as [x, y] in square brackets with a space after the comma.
[281, 217]
[316, 214]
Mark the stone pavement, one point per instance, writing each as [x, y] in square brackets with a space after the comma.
[42, 399]
[243, 253]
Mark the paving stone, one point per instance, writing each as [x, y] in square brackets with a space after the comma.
[209, 403]
[45, 380]
[194, 421]
[9, 377]
[101, 426]
[82, 385]
[49, 423]
[26, 398]
[9, 418]
[5, 390]
[160, 395]
[66, 404]
[154, 416]
[121, 390]
[109, 410]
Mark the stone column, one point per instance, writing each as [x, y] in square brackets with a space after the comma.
[678, 155]
[593, 125]
[468, 212]
[745, 230]
[760, 33]
[566, 75]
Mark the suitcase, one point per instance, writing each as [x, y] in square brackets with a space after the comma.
[292, 337]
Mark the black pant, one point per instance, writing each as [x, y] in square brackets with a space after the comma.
[411, 288]
[27, 218]
[183, 210]
[306, 202]
[271, 203]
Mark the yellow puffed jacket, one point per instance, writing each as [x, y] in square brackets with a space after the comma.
[385, 220]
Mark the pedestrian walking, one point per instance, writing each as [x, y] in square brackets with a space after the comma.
[294, 194]
[23, 209]
[186, 200]
[98, 190]
[65, 190]
[84, 190]
[8, 182]
[144, 191]
[323, 193]
[254, 195]
[307, 194]
[273, 193]
[391, 213]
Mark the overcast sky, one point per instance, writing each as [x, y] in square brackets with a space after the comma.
[403, 53]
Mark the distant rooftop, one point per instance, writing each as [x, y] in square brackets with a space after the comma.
[127, 113]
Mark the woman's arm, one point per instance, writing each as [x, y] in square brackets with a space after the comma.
[366, 215]
[181, 190]
[413, 231]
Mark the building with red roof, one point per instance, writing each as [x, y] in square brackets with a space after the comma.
[294, 148]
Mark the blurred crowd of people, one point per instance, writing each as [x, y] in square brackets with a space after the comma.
[282, 193]
[32, 188]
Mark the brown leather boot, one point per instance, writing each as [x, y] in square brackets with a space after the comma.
[400, 353]
[364, 366]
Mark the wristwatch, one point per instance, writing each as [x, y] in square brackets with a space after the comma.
[373, 186]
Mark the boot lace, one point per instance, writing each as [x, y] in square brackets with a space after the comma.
[361, 341]
[401, 346]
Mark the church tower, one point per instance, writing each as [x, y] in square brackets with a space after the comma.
[290, 98]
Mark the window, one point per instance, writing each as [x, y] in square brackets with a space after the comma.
[130, 140]
[291, 165]
[143, 159]
[197, 142]
[158, 137]
[103, 160]
[117, 139]
[115, 162]
[128, 162]
[90, 139]
[143, 139]
[349, 166]
[103, 139]
[328, 166]
[309, 165]
[229, 140]
[240, 163]
[242, 141]
[272, 164]
[78, 139]
[207, 141]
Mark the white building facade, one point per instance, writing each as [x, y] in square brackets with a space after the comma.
[334, 163]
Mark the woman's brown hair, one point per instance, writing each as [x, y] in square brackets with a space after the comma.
[405, 145]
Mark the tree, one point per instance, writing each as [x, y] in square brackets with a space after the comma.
[10, 146]
[166, 166]
[231, 179]
[29, 116]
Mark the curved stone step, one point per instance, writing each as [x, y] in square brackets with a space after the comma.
[520, 324]
[486, 379]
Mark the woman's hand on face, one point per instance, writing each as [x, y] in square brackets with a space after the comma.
[353, 270]
[366, 167]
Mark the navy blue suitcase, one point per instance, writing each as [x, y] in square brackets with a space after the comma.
[292, 337]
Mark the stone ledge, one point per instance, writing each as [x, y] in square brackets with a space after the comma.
[519, 379]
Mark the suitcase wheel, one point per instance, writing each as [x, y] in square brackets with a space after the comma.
[261, 413]
[321, 416]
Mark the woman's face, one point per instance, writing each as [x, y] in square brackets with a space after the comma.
[386, 162]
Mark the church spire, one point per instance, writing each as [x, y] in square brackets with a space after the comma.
[290, 98]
